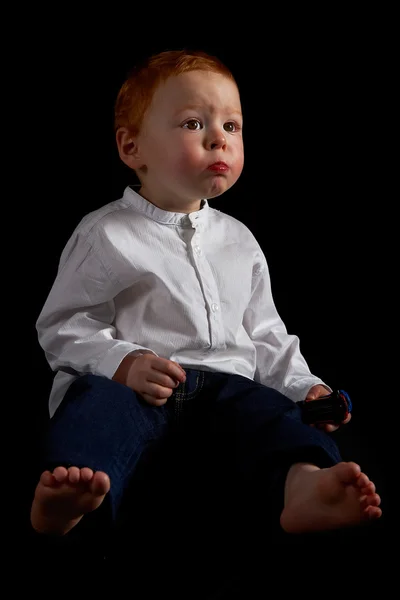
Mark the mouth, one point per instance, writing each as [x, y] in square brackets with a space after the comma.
[218, 167]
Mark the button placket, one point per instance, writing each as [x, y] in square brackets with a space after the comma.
[210, 291]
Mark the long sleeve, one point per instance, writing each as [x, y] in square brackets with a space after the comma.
[75, 327]
[279, 362]
[192, 288]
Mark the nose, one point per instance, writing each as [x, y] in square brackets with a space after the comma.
[216, 140]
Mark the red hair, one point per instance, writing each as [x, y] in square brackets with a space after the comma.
[136, 93]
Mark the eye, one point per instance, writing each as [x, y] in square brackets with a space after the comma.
[193, 125]
[231, 126]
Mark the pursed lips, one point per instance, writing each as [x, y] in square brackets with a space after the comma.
[219, 167]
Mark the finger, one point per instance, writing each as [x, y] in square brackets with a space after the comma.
[176, 371]
[325, 427]
[330, 428]
[154, 401]
[159, 392]
[163, 380]
[168, 367]
[318, 391]
[179, 366]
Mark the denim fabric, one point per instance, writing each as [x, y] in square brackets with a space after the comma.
[259, 433]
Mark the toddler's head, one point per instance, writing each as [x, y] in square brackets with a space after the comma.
[178, 124]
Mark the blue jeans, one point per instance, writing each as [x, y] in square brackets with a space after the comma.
[256, 431]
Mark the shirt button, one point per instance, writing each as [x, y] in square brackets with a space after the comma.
[198, 249]
[214, 307]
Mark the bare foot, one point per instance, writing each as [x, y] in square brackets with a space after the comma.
[321, 499]
[64, 496]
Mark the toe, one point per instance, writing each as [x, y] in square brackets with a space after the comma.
[60, 473]
[100, 483]
[74, 474]
[354, 470]
[373, 512]
[86, 474]
[369, 489]
[363, 480]
[347, 472]
[373, 500]
[47, 478]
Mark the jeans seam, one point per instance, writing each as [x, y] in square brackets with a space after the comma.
[183, 396]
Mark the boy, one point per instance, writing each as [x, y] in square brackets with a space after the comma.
[157, 280]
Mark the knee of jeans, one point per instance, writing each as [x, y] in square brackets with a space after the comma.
[294, 412]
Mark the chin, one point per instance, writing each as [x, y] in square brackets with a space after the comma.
[215, 194]
[217, 190]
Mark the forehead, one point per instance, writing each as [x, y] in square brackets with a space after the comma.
[201, 88]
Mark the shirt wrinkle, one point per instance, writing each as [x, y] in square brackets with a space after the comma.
[197, 293]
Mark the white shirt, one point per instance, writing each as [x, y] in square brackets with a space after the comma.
[193, 288]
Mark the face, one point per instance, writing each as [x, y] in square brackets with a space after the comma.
[190, 145]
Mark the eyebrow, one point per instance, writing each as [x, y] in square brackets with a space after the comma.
[196, 106]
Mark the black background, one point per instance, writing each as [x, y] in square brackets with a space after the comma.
[316, 98]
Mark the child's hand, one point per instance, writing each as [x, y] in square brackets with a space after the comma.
[316, 392]
[154, 378]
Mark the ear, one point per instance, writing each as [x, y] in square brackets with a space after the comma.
[128, 148]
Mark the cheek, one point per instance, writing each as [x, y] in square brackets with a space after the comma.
[188, 157]
[239, 160]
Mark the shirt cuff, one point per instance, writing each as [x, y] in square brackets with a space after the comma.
[111, 361]
[298, 390]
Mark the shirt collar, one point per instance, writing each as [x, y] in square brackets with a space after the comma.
[163, 216]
